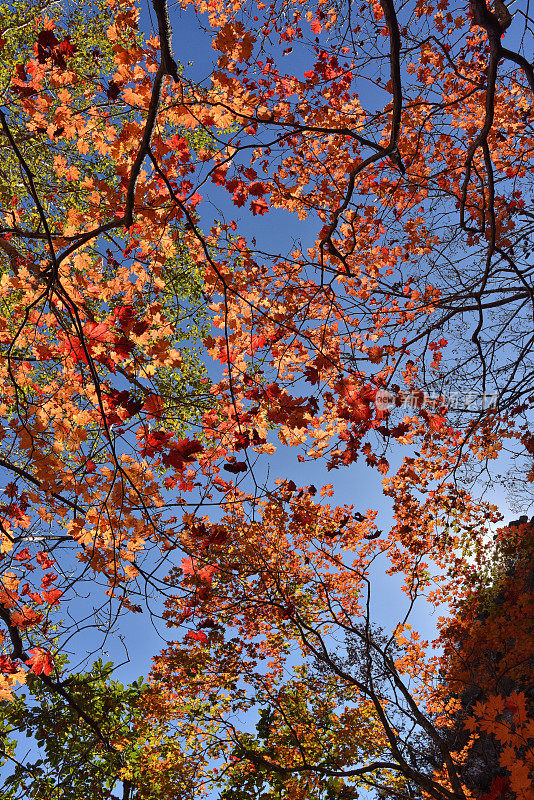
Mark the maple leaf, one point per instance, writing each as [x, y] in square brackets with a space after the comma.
[26, 618]
[242, 441]
[399, 430]
[140, 327]
[375, 354]
[236, 466]
[259, 206]
[22, 555]
[64, 50]
[113, 91]
[47, 579]
[182, 452]
[52, 596]
[21, 72]
[44, 560]
[188, 566]
[99, 332]
[153, 405]
[46, 41]
[499, 787]
[24, 91]
[197, 636]
[155, 441]
[7, 666]
[123, 347]
[40, 661]
[208, 623]
[258, 189]
[235, 41]
[311, 374]
[257, 341]
[125, 316]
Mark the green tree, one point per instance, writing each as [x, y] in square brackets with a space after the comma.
[67, 758]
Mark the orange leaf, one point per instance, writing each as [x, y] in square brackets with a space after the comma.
[233, 40]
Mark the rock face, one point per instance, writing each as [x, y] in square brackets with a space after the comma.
[491, 653]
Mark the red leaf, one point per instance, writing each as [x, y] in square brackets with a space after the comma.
[47, 579]
[197, 636]
[235, 467]
[140, 327]
[188, 449]
[7, 667]
[375, 354]
[258, 189]
[259, 206]
[499, 787]
[52, 596]
[153, 405]
[188, 566]
[124, 347]
[311, 375]
[41, 661]
[154, 442]
[99, 332]
[257, 439]
[256, 341]
[66, 48]
[24, 91]
[44, 560]
[23, 555]
[113, 90]
[125, 317]
[46, 39]
[26, 617]
[183, 452]
[207, 623]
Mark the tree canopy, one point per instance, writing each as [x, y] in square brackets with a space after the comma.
[323, 247]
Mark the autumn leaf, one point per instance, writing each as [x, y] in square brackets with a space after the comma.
[40, 661]
[113, 91]
[7, 666]
[236, 467]
[52, 596]
[184, 451]
[259, 206]
[235, 41]
[44, 560]
[375, 354]
[197, 636]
